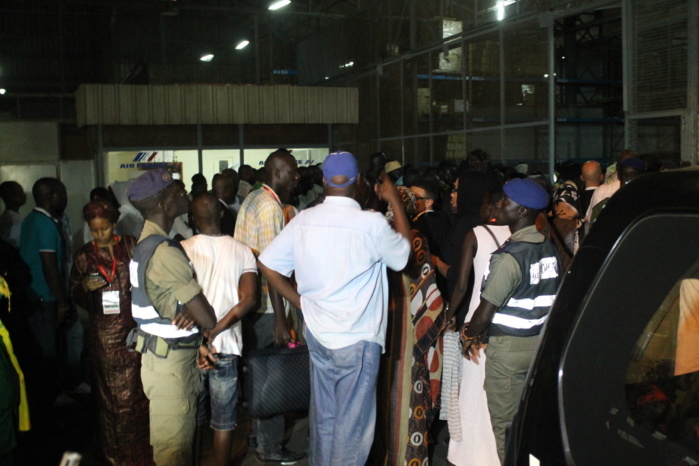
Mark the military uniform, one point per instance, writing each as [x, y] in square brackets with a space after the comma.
[170, 376]
[522, 281]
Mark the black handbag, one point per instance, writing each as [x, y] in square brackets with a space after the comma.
[276, 380]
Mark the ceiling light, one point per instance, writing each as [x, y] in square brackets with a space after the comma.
[2, 91]
[207, 58]
[242, 44]
[279, 4]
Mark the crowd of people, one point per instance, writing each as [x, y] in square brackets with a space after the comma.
[420, 294]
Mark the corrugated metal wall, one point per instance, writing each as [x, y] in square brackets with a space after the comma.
[661, 108]
[101, 104]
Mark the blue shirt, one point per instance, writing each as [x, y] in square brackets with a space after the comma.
[340, 254]
[40, 233]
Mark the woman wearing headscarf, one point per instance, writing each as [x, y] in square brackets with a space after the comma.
[413, 369]
[99, 282]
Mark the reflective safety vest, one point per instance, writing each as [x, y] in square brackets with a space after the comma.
[525, 312]
[145, 315]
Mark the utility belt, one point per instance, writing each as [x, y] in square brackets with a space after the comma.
[142, 342]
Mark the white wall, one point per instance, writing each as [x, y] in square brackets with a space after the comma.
[30, 150]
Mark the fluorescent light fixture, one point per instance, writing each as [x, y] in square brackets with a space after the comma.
[207, 58]
[279, 4]
[2, 91]
[242, 44]
[501, 10]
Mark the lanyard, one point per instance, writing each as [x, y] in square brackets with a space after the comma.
[269, 190]
[114, 262]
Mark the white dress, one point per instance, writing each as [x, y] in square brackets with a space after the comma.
[477, 444]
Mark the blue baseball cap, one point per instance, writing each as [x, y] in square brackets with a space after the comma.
[633, 162]
[340, 164]
[526, 192]
[149, 184]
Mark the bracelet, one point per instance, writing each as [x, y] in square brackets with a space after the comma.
[464, 337]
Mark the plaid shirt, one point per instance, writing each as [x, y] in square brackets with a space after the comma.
[260, 220]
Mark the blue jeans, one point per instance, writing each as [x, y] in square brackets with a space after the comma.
[343, 402]
[219, 393]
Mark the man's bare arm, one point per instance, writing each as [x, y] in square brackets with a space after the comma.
[481, 320]
[247, 291]
[200, 311]
[280, 283]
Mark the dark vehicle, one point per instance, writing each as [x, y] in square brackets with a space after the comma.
[615, 380]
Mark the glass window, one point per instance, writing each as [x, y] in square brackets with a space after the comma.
[662, 380]
[304, 156]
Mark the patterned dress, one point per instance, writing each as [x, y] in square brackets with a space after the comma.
[414, 352]
[122, 407]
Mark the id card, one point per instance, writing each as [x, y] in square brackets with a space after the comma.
[110, 302]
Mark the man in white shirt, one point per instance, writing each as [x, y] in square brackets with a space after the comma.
[339, 254]
[592, 177]
[227, 272]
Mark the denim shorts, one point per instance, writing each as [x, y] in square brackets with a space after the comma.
[219, 393]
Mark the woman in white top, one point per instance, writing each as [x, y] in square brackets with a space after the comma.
[477, 443]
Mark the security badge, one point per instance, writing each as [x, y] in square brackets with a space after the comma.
[110, 302]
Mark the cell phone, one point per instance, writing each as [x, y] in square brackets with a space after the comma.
[95, 276]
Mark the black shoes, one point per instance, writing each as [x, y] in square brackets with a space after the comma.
[283, 456]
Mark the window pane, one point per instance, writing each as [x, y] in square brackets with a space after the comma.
[662, 381]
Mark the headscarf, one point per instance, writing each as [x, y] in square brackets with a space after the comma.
[407, 200]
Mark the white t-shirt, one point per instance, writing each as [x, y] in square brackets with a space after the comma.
[219, 262]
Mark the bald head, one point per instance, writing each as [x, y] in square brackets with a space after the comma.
[591, 174]
[206, 213]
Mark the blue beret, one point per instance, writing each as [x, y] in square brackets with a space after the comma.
[633, 162]
[149, 184]
[526, 192]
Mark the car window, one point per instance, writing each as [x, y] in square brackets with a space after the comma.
[662, 379]
[611, 355]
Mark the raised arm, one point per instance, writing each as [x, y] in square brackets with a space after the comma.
[388, 192]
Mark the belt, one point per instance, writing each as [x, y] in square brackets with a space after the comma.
[142, 342]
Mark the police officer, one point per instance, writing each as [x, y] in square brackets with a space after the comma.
[167, 304]
[517, 296]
